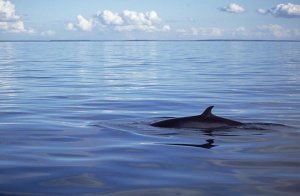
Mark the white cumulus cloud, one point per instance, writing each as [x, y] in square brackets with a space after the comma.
[109, 18]
[84, 24]
[7, 11]
[233, 8]
[124, 21]
[81, 23]
[15, 27]
[9, 20]
[283, 10]
[139, 18]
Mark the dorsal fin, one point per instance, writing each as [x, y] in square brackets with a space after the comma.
[207, 112]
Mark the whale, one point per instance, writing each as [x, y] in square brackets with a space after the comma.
[206, 120]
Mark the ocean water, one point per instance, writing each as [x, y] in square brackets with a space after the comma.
[74, 118]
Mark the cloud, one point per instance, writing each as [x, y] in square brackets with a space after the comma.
[216, 32]
[270, 31]
[124, 21]
[283, 10]
[241, 31]
[71, 27]
[275, 30]
[166, 28]
[201, 32]
[48, 33]
[7, 12]
[233, 8]
[84, 24]
[262, 11]
[109, 18]
[9, 20]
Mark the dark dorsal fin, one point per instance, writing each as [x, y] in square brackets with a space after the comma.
[207, 112]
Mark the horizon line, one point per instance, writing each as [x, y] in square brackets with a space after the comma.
[145, 40]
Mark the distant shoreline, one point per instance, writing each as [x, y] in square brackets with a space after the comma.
[141, 40]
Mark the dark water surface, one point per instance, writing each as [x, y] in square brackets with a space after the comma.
[74, 118]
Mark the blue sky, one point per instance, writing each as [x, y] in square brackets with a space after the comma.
[149, 19]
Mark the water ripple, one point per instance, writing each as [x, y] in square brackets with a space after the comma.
[75, 118]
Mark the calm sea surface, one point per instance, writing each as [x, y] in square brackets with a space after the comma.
[74, 118]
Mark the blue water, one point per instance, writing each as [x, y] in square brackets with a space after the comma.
[74, 118]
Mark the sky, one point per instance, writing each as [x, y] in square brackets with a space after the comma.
[149, 19]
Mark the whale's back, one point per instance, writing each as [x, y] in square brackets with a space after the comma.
[205, 120]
